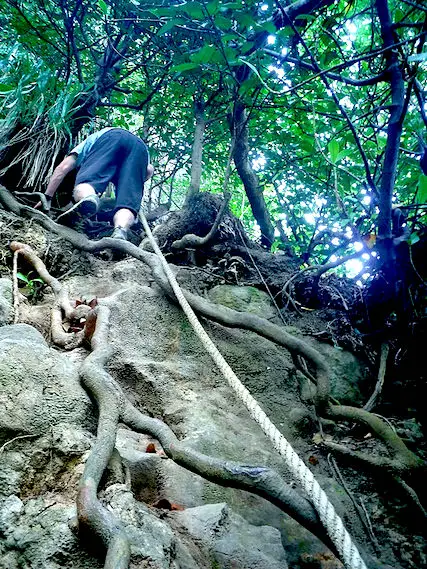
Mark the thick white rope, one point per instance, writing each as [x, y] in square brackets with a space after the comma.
[347, 550]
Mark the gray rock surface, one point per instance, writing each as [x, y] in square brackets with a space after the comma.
[6, 301]
[347, 373]
[232, 541]
[243, 298]
[151, 538]
[39, 386]
[36, 535]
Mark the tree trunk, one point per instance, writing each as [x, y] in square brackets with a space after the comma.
[197, 150]
[394, 128]
[239, 125]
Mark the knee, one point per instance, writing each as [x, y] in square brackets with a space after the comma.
[82, 191]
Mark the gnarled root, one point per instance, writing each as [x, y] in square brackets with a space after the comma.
[260, 480]
[113, 406]
[92, 516]
[61, 338]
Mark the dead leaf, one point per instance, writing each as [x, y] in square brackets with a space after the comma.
[90, 325]
[164, 504]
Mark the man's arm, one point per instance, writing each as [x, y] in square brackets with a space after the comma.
[68, 164]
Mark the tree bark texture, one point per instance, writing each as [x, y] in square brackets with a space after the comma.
[394, 129]
[239, 125]
[197, 150]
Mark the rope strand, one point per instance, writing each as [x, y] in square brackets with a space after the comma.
[346, 548]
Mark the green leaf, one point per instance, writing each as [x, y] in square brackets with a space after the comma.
[213, 7]
[204, 55]
[103, 7]
[422, 189]
[327, 57]
[222, 22]
[230, 36]
[6, 88]
[413, 238]
[308, 17]
[164, 12]
[168, 26]
[334, 150]
[184, 67]
[268, 27]
[193, 9]
[243, 19]
[23, 278]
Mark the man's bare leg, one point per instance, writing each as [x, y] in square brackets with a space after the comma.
[83, 190]
[124, 218]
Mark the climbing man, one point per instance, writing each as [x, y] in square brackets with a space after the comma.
[108, 155]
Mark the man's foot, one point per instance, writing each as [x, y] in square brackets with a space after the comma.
[87, 207]
[120, 233]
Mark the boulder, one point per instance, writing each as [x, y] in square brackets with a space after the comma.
[231, 540]
[39, 387]
[36, 534]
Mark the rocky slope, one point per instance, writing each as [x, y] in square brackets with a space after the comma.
[175, 519]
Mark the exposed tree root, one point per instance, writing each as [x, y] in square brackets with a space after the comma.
[260, 480]
[191, 240]
[92, 516]
[402, 460]
[114, 406]
[66, 340]
[15, 288]
[370, 404]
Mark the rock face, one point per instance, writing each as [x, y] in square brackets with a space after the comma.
[244, 298]
[231, 540]
[6, 305]
[40, 387]
[163, 369]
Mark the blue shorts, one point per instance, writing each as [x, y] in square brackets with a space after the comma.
[120, 157]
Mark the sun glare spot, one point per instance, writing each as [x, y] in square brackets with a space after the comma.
[309, 217]
[353, 267]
